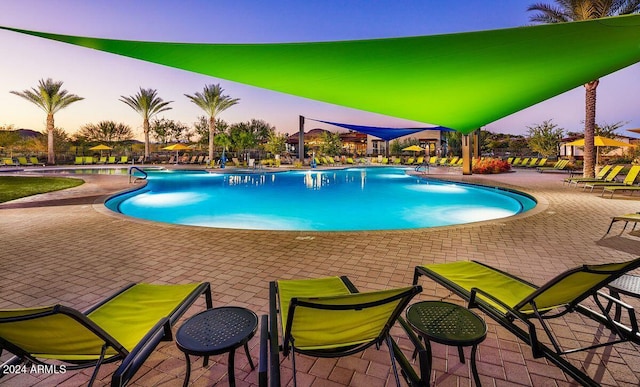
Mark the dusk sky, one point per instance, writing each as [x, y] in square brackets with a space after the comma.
[101, 78]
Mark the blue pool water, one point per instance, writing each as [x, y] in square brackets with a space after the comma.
[323, 200]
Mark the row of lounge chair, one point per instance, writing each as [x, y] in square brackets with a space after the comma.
[606, 179]
[19, 161]
[90, 160]
[322, 317]
[527, 162]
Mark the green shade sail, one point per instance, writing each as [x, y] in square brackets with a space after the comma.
[462, 81]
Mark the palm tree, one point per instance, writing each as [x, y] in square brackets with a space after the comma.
[148, 104]
[213, 102]
[576, 10]
[49, 97]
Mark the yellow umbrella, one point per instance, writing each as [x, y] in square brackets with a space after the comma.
[100, 147]
[599, 141]
[176, 147]
[413, 148]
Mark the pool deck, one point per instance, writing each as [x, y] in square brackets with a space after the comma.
[65, 247]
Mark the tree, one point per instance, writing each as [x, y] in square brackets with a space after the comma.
[276, 144]
[49, 97]
[147, 103]
[242, 137]
[106, 131]
[213, 102]
[165, 131]
[545, 138]
[330, 143]
[576, 10]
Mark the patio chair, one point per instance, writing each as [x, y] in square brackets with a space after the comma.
[560, 165]
[23, 162]
[79, 160]
[88, 160]
[626, 218]
[515, 303]
[629, 180]
[327, 317]
[34, 160]
[125, 327]
[123, 160]
[600, 176]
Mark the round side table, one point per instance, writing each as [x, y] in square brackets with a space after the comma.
[217, 331]
[448, 324]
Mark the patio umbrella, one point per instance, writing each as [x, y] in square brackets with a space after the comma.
[600, 141]
[100, 148]
[176, 147]
[413, 148]
[636, 130]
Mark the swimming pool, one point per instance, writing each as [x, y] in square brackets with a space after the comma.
[320, 200]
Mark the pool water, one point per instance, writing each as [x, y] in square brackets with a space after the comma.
[321, 200]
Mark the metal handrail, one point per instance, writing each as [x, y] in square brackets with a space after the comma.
[132, 170]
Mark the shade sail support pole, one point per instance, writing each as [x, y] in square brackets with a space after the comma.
[466, 154]
[476, 143]
[301, 141]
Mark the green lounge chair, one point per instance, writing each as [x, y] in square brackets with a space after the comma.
[88, 160]
[34, 161]
[410, 160]
[102, 160]
[510, 160]
[419, 160]
[397, 161]
[327, 317]
[9, 162]
[123, 160]
[126, 326]
[626, 218]
[111, 160]
[23, 162]
[560, 165]
[79, 160]
[599, 177]
[516, 161]
[628, 181]
[515, 303]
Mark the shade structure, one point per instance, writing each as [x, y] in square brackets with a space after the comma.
[461, 81]
[600, 141]
[636, 130]
[100, 147]
[385, 133]
[176, 147]
[413, 148]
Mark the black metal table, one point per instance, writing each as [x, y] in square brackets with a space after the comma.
[217, 331]
[448, 324]
[627, 284]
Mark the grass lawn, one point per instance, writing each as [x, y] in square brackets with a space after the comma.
[15, 187]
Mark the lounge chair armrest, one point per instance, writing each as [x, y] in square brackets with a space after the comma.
[134, 360]
[263, 366]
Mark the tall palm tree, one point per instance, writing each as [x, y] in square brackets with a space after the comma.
[147, 103]
[213, 102]
[49, 97]
[576, 10]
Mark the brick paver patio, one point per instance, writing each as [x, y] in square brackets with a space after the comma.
[65, 247]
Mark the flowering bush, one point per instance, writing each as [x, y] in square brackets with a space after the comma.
[487, 165]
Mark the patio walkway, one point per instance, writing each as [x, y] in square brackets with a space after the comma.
[66, 247]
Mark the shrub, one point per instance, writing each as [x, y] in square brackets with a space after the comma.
[490, 165]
